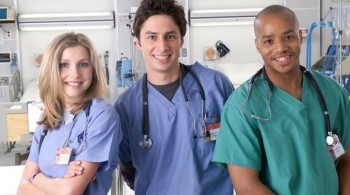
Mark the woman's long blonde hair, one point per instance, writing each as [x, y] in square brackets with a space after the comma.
[50, 83]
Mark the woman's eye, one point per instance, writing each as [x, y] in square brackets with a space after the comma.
[63, 65]
[84, 64]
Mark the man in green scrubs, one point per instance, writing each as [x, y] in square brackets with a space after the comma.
[273, 129]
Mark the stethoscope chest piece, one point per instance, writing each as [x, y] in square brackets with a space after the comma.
[146, 142]
[330, 140]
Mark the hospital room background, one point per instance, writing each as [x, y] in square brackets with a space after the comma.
[220, 35]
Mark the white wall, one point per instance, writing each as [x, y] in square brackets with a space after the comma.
[227, 4]
[124, 32]
[240, 39]
[32, 43]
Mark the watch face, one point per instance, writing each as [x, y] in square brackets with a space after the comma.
[210, 53]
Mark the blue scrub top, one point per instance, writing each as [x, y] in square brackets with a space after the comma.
[177, 163]
[103, 137]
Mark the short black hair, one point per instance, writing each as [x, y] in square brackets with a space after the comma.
[150, 8]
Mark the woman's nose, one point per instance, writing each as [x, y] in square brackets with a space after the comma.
[74, 70]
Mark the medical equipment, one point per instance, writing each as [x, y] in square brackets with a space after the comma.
[106, 57]
[10, 83]
[222, 48]
[146, 141]
[67, 141]
[332, 50]
[329, 135]
[124, 72]
[7, 14]
[332, 63]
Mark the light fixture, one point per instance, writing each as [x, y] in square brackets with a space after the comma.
[66, 21]
[223, 17]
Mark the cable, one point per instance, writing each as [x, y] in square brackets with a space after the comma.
[3, 29]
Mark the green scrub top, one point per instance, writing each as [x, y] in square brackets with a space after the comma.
[289, 150]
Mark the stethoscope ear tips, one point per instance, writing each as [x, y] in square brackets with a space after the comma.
[146, 142]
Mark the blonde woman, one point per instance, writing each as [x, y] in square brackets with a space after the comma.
[77, 124]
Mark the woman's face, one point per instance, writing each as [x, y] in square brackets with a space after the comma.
[76, 73]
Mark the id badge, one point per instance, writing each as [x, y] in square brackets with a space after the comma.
[63, 156]
[336, 149]
[213, 130]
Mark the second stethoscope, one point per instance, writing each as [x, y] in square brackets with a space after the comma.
[146, 141]
[329, 136]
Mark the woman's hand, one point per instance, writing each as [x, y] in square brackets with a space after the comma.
[74, 169]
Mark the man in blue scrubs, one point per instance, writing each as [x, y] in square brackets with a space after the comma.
[183, 119]
[274, 138]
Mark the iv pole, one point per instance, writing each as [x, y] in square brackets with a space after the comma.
[340, 31]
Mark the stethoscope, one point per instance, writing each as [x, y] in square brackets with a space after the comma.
[67, 141]
[83, 141]
[146, 141]
[330, 138]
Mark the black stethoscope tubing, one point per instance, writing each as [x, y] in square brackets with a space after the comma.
[146, 141]
[315, 86]
[201, 90]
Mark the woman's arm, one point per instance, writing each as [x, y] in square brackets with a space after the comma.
[74, 185]
[25, 186]
[246, 181]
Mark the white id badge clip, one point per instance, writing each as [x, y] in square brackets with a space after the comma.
[213, 130]
[336, 148]
[63, 156]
